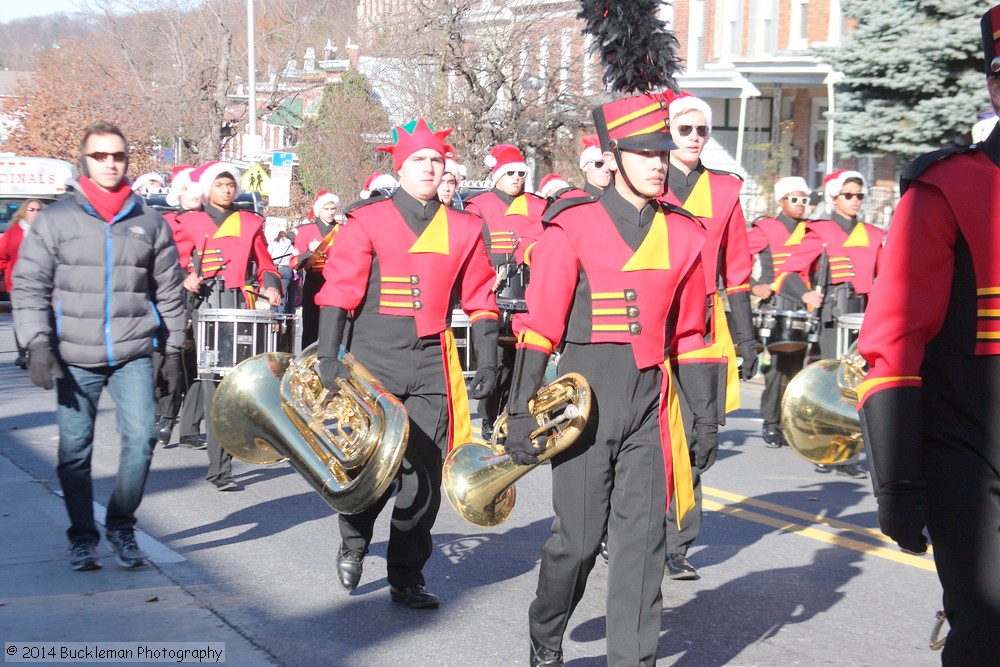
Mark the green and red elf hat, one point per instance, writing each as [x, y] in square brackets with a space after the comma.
[991, 39]
[414, 136]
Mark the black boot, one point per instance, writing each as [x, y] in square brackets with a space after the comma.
[164, 429]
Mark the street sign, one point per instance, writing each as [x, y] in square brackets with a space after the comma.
[281, 178]
[255, 179]
[279, 159]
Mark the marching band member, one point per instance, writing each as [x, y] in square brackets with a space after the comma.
[618, 286]
[713, 196]
[392, 272]
[448, 190]
[596, 171]
[512, 222]
[768, 238]
[926, 404]
[229, 254]
[312, 247]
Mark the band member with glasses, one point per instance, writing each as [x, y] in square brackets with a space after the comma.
[312, 247]
[714, 197]
[95, 265]
[392, 272]
[768, 238]
[512, 222]
[10, 243]
[841, 255]
[928, 403]
[596, 171]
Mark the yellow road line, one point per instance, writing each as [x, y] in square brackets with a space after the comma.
[888, 553]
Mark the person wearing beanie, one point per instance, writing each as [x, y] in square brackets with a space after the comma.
[926, 405]
[230, 266]
[312, 247]
[511, 223]
[768, 238]
[842, 256]
[714, 197]
[595, 170]
[391, 275]
[147, 184]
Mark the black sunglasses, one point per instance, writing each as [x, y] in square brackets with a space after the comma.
[102, 156]
[598, 164]
[685, 130]
[519, 173]
[851, 195]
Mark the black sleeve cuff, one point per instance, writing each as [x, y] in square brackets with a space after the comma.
[891, 426]
[528, 373]
[485, 338]
[332, 321]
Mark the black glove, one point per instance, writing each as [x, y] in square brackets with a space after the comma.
[43, 364]
[329, 369]
[172, 369]
[484, 383]
[748, 350]
[706, 446]
[332, 322]
[520, 448]
[902, 514]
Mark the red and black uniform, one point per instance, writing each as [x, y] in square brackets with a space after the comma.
[511, 226]
[10, 242]
[928, 403]
[229, 251]
[313, 276]
[393, 271]
[767, 239]
[714, 197]
[621, 293]
[844, 277]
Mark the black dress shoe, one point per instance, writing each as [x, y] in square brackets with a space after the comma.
[773, 437]
[21, 362]
[164, 429]
[349, 566]
[679, 568]
[415, 597]
[852, 470]
[540, 656]
[193, 442]
[822, 469]
[225, 483]
[604, 547]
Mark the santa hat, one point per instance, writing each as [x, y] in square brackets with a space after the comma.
[377, 181]
[591, 151]
[323, 197]
[683, 102]
[505, 157]
[414, 136]
[180, 180]
[452, 167]
[142, 181]
[789, 184]
[206, 174]
[833, 183]
[551, 183]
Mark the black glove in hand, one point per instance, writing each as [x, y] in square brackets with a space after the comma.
[748, 350]
[329, 369]
[520, 448]
[484, 383]
[172, 369]
[706, 446]
[902, 514]
[43, 364]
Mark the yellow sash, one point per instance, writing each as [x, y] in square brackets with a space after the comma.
[721, 336]
[461, 417]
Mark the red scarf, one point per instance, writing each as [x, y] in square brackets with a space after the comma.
[107, 204]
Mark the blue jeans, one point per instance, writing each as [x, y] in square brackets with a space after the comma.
[131, 387]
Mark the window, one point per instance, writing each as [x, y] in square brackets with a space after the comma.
[729, 37]
[696, 35]
[765, 33]
[798, 34]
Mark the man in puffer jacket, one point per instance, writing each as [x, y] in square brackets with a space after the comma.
[92, 275]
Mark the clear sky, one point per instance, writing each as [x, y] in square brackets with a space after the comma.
[19, 9]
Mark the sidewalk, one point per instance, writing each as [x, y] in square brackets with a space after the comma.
[43, 600]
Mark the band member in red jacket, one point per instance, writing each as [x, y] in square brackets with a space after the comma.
[229, 267]
[312, 247]
[927, 404]
[768, 238]
[392, 273]
[618, 287]
[512, 222]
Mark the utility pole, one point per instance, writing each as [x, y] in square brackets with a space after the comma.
[253, 141]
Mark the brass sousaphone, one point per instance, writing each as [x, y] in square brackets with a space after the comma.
[273, 407]
[479, 479]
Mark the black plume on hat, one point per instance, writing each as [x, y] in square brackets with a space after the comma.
[638, 52]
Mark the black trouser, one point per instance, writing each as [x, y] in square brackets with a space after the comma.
[611, 476]
[783, 367]
[962, 468]
[220, 462]
[491, 406]
[169, 405]
[310, 311]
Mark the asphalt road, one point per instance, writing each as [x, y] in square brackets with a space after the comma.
[793, 569]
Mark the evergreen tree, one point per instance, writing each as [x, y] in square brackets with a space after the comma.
[913, 76]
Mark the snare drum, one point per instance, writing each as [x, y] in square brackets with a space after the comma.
[848, 327]
[510, 297]
[226, 336]
[786, 331]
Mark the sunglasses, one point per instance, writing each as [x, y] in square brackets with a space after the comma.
[518, 173]
[102, 156]
[598, 164]
[685, 130]
[851, 195]
[32, 210]
[795, 201]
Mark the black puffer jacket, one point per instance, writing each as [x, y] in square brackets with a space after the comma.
[95, 288]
